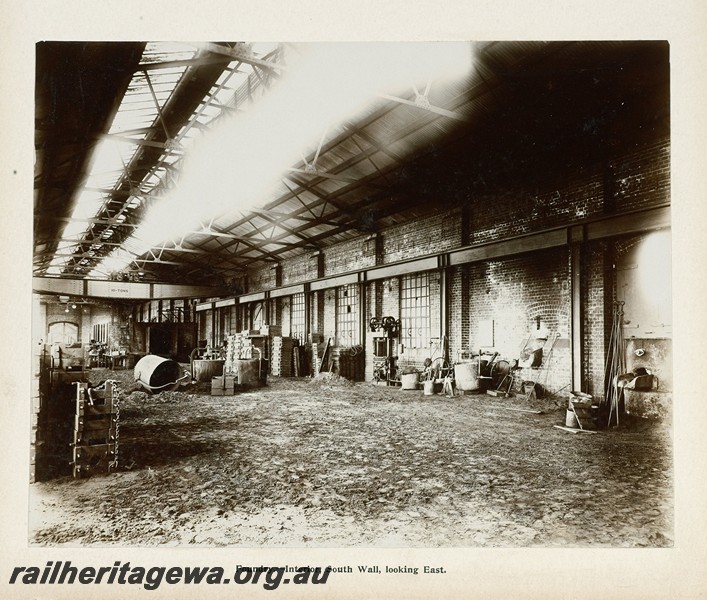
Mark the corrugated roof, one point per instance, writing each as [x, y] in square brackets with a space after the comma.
[348, 169]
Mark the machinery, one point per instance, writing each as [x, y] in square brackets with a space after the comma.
[384, 331]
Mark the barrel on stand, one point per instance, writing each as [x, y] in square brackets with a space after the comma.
[157, 374]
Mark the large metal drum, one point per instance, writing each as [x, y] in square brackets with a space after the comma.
[157, 374]
[466, 376]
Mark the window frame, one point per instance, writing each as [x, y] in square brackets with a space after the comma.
[347, 304]
[415, 310]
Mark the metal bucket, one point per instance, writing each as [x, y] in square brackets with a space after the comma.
[157, 374]
[409, 381]
[466, 376]
[571, 420]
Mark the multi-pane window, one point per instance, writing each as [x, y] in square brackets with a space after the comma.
[256, 315]
[347, 315]
[100, 332]
[415, 310]
[297, 316]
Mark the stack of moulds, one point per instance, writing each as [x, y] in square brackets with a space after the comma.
[281, 357]
[315, 360]
[231, 354]
[242, 345]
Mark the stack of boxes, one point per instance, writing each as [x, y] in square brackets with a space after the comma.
[39, 367]
[239, 347]
[95, 429]
[232, 352]
[281, 358]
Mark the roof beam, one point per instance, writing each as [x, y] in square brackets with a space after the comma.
[204, 59]
[244, 57]
[421, 104]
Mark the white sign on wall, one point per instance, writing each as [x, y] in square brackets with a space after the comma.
[119, 289]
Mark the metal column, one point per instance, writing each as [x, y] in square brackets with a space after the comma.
[577, 317]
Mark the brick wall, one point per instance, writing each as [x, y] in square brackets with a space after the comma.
[597, 294]
[264, 278]
[519, 210]
[349, 256]
[515, 291]
[460, 317]
[299, 269]
[427, 235]
[641, 178]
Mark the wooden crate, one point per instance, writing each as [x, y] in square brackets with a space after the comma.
[223, 386]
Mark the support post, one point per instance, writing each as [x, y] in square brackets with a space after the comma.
[577, 317]
[361, 311]
[307, 311]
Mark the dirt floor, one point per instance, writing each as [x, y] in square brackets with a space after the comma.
[331, 463]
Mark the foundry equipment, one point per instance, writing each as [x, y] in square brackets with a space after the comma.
[157, 374]
[384, 330]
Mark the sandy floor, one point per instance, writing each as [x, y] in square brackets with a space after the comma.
[311, 463]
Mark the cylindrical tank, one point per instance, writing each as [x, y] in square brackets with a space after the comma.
[157, 374]
[204, 370]
[466, 376]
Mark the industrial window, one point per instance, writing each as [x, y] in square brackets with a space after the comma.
[415, 310]
[100, 332]
[256, 315]
[297, 316]
[347, 315]
[63, 332]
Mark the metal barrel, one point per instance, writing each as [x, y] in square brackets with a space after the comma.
[157, 374]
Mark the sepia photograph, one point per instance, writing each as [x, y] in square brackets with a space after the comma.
[345, 294]
[352, 301]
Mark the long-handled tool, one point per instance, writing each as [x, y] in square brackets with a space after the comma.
[615, 363]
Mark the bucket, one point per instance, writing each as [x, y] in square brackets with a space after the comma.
[157, 374]
[466, 376]
[578, 399]
[410, 380]
[248, 371]
[428, 388]
[529, 390]
[571, 420]
[205, 369]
